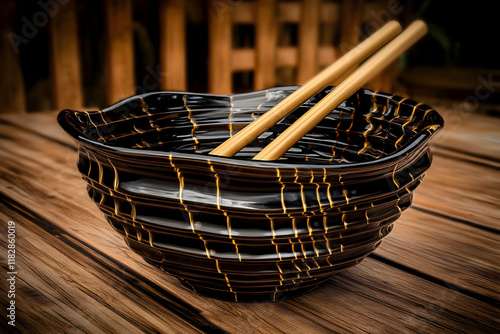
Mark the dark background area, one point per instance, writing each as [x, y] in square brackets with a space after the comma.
[462, 39]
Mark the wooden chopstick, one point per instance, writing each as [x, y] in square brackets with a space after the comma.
[350, 85]
[362, 51]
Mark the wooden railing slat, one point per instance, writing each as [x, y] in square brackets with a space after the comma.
[351, 13]
[265, 44]
[65, 59]
[120, 53]
[173, 44]
[220, 42]
[308, 40]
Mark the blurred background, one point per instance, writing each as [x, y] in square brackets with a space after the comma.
[57, 54]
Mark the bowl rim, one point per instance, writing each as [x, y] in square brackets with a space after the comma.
[420, 138]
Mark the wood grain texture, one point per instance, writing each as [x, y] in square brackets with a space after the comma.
[430, 275]
[462, 255]
[120, 50]
[65, 60]
[469, 178]
[219, 51]
[173, 44]
[92, 291]
[469, 133]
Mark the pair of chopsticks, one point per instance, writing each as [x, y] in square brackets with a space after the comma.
[368, 70]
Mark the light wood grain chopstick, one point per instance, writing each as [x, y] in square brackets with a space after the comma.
[350, 85]
[362, 51]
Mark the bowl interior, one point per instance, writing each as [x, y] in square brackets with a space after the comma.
[367, 127]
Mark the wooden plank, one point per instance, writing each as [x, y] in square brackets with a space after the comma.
[464, 190]
[11, 81]
[65, 59]
[42, 123]
[374, 297]
[173, 44]
[219, 47]
[308, 41]
[266, 37]
[120, 50]
[462, 255]
[370, 295]
[64, 288]
[467, 132]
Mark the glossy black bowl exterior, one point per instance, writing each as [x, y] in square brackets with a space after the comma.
[245, 230]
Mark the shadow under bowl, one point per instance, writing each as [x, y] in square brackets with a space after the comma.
[246, 230]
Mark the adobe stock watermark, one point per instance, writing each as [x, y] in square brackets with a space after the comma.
[380, 18]
[30, 28]
[482, 92]
[460, 111]
[224, 6]
[11, 273]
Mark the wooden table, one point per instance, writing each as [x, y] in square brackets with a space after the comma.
[438, 270]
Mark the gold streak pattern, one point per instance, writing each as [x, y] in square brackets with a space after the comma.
[344, 221]
[102, 116]
[394, 176]
[212, 169]
[230, 125]
[367, 145]
[195, 126]
[116, 182]
[282, 190]
[405, 124]
[95, 126]
[144, 106]
[90, 163]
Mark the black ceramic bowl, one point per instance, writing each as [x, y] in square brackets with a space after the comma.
[245, 230]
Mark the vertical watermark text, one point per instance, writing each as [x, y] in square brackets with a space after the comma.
[11, 273]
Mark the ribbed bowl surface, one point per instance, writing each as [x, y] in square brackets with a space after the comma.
[245, 230]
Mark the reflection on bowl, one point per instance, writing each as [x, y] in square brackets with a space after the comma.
[245, 230]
